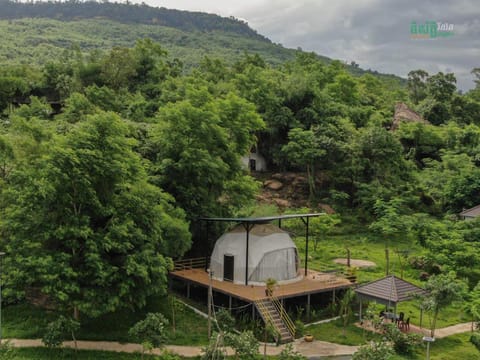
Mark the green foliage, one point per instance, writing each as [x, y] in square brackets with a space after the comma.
[374, 351]
[346, 305]
[403, 344]
[244, 344]
[225, 320]
[150, 332]
[475, 340]
[6, 351]
[299, 328]
[289, 354]
[441, 291]
[86, 225]
[59, 330]
[215, 349]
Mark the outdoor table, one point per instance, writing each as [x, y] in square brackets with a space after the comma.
[392, 316]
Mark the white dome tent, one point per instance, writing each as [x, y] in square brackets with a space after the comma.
[271, 254]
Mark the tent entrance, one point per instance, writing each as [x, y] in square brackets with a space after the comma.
[228, 265]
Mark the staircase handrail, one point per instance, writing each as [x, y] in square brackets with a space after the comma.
[284, 315]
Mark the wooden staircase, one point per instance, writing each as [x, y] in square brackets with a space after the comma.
[273, 313]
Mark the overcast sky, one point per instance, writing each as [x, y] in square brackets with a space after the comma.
[373, 33]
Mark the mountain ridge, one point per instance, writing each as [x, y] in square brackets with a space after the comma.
[34, 32]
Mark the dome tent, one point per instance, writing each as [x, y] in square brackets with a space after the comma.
[271, 254]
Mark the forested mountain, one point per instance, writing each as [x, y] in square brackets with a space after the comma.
[127, 13]
[35, 32]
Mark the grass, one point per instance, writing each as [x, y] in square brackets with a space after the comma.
[365, 245]
[333, 332]
[68, 354]
[27, 322]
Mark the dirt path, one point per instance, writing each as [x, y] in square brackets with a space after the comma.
[312, 349]
[355, 262]
[315, 348]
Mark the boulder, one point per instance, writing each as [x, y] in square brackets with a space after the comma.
[273, 185]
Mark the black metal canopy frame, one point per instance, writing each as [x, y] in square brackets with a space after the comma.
[248, 224]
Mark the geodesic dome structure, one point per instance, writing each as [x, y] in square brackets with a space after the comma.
[271, 254]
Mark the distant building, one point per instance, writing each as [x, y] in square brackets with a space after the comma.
[470, 214]
[254, 161]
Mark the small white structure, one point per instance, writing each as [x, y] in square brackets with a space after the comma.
[470, 214]
[271, 254]
[254, 161]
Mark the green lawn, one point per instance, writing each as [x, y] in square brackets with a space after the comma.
[452, 347]
[333, 332]
[366, 246]
[27, 321]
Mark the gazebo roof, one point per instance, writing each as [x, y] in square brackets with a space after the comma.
[390, 288]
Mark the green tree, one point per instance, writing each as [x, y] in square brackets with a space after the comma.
[417, 85]
[441, 291]
[472, 306]
[85, 225]
[196, 147]
[346, 311]
[150, 332]
[303, 149]
[59, 330]
[244, 344]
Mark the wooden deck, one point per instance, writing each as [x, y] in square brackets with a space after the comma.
[315, 282]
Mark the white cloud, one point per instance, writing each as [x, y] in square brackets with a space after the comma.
[374, 33]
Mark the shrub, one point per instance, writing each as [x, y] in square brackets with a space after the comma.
[225, 321]
[299, 328]
[374, 351]
[150, 332]
[245, 344]
[289, 354]
[403, 344]
[475, 340]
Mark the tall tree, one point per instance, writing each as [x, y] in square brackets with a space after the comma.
[84, 225]
[441, 291]
[417, 85]
[196, 146]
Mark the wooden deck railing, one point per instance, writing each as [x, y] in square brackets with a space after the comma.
[193, 263]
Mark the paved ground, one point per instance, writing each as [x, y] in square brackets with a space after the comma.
[312, 350]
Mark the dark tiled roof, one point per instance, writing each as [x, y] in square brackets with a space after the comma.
[473, 212]
[390, 288]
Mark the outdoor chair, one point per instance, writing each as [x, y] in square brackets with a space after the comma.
[399, 320]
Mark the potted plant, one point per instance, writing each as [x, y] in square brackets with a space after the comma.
[270, 285]
[308, 337]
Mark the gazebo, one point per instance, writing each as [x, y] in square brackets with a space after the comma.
[389, 291]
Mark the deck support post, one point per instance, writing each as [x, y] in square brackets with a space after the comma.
[305, 221]
[248, 227]
[230, 303]
[253, 311]
[308, 307]
[188, 290]
[360, 312]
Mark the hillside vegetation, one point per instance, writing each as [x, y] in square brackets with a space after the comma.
[108, 158]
